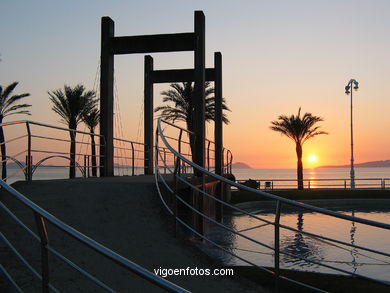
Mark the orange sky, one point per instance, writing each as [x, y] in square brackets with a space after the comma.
[277, 56]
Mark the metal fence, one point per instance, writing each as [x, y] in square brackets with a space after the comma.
[314, 183]
[194, 196]
[34, 147]
[181, 138]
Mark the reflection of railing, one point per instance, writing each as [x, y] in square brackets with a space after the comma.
[325, 183]
[193, 196]
[42, 217]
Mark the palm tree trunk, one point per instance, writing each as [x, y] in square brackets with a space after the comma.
[93, 153]
[299, 166]
[3, 153]
[72, 155]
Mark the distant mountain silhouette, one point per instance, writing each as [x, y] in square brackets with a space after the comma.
[241, 165]
[385, 163]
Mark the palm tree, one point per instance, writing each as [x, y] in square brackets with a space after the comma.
[72, 104]
[91, 119]
[299, 129]
[181, 96]
[8, 107]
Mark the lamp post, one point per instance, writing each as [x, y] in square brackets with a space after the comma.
[348, 90]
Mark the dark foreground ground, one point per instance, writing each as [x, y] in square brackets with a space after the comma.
[124, 214]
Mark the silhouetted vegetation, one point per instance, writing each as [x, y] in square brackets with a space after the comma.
[72, 104]
[91, 119]
[9, 106]
[299, 129]
[180, 95]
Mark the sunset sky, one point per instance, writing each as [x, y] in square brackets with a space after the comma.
[277, 56]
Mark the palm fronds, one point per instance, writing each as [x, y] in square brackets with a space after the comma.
[8, 103]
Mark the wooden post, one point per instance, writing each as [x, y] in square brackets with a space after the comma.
[218, 134]
[107, 97]
[148, 116]
[198, 98]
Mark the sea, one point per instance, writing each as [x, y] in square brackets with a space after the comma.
[316, 173]
[370, 176]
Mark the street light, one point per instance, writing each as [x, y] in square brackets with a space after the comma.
[348, 90]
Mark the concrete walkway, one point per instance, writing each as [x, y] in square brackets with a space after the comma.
[124, 214]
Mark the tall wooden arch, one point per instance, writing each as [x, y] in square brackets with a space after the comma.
[111, 46]
[181, 75]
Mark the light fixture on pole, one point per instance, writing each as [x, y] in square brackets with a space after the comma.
[348, 90]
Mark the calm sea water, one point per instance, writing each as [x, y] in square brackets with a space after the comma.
[319, 178]
[241, 174]
[325, 252]
[319, 173]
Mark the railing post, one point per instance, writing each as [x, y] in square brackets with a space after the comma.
[208, 155]
[165, 160]
[179, 141]
[199, 207]
[309, 184]
[277, 245]
[42, 231]
[85, 166]
[345, 184]
[231, 162]
[89, 166]
[29, 158]
[223, 161]
[176, 173]
[227, 162]
[133, 159]
[179, 145]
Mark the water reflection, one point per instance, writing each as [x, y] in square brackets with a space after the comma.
[300, 245]
[296, 243]
[354, 250]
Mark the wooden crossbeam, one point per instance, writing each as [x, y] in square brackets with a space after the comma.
[153, 43]
[179, 75]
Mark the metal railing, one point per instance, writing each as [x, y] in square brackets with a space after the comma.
[183, 144]
[319, 183]
[128, 157]
[175, 197]
[42, 218]
[35, 143]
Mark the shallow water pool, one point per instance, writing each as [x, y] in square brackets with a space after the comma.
[322, 251]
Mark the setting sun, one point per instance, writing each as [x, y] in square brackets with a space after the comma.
[312, 159]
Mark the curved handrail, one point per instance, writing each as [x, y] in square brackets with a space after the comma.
[47, 125]
[276, 223]
[89, 242]
[269, 195]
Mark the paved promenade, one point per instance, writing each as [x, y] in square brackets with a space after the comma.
[122, 213]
